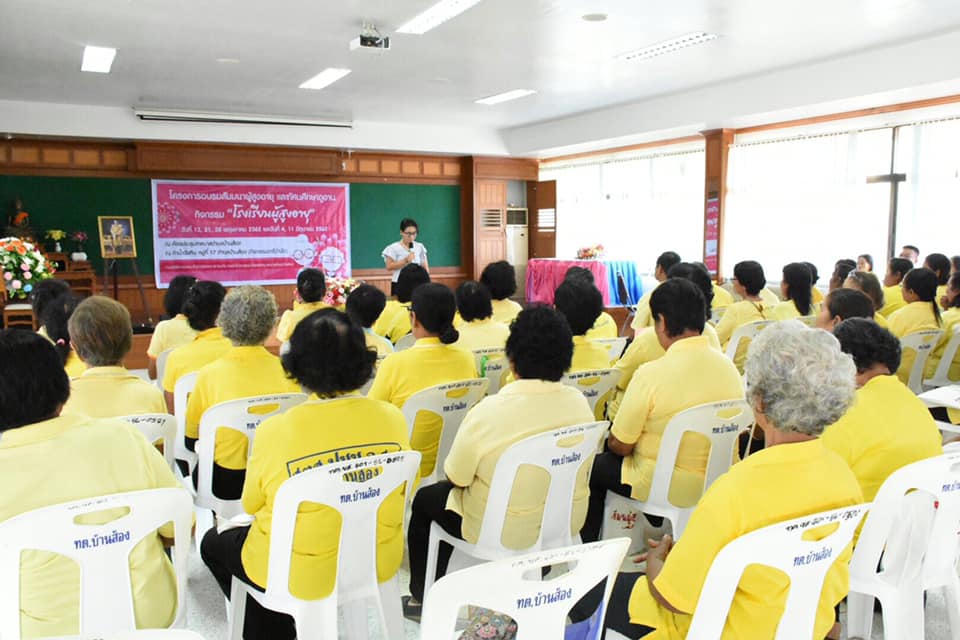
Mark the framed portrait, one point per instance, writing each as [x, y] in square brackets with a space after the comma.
[116, 237]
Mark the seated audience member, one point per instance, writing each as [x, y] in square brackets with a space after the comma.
[865, 262]
[954, 265]
[364, 306]
[795, 289]
[870, 285]
[500, 278]
[394, 322]
[643, 318]
[951, 324]
[55, 323]
[91, 457]
[433, 360]
[911, 253]
[479, 330]
[748, 282]
[841, 270]
[45, 292]
[940, 265]
[690, 373]
[897, 270]
[605, 327]
[247, 369]
[646, 346]
[922, 313]
[887, 426]
[539, 351]
[175, 330]
[201, 306]
[311, 288]
[816, 295]
[799, 382]
[102, 335]
[841, 304]
[581, 304]
[329, 357]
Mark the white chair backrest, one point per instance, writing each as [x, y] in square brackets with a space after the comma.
[746, 331]
[485, 354]
[162, 365]
[450, 401]
[782, 547]
[941, 376]
[595, 384]
[513, 586]
[235, 415]
[101, 550]
[356, 489]
[553, 452]
[157, 426]
[158, 634]
[405, 342]
[921, 343]
[614, 345]
[716, 314]
[493, 365]
[181, 393]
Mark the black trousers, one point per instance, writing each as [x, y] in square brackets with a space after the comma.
[227, 483]
[429, 505]
[604, 477]
[221, 553]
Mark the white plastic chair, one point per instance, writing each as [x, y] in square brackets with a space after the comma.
[614, 345]
[235, 415]
[102, 552]
[181, 393]
[545, 451]
[158, 426]
[747, 331]
[722, 423]
[162, 366]
[912, 528]
[405, 342]
[921, 343]
[782, 547]
[450, 401]
[513, 586]
[356, 579]
[157, 634]
[595, 385]
[492, 363]
[940, 377]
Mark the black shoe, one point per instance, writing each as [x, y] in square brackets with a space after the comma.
[411, 612]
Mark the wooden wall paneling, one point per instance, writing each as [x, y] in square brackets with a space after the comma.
[718, 143]
[506, 168]
[191, 157]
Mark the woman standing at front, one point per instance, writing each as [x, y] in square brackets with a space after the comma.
[406, 251]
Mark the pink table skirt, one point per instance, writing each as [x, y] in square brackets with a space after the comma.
[544, 275]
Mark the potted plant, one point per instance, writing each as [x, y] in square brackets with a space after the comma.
[55, 236]
[22, 266]
[79, 239]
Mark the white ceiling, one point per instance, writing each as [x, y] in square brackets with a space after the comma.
[168, 53]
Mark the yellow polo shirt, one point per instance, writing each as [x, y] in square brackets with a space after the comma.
[382, 346]
[588, 355]
[893, 300]
[170, 334]
[737, 314]
[292, 317]
[74, 366]
[770, 299]
[394, 321]
[642, 316]
[916, 316]
[816, 295]
[780, 483]
[520, 410]
[307, 436]
[426, 364]
[644, 348]
[108, 392]
[882, 321]
[480, 334]
[887, 427]
[690, 373]
[505, 310]
[721, 297]
[951, 324]
[70, 458]
[604, 328]
[941, 291]
[205, 348]
[786, 310]
[241, 373]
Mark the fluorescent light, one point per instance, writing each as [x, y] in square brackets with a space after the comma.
[176, 115]
[325, 78]
[669, 46]
[436, 15]
[97, 59]
[506, 96]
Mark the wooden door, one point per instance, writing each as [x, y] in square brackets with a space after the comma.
[542, 203]
[490, 242]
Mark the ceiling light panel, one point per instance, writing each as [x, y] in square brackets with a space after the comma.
[435, 16]
[506, 96]
[97, 59]
[669, 46]
[325, 78]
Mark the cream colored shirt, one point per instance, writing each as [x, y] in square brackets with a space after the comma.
[737, 314]
[109, 392]
[205, 348]
[893, 300]
[383, 346]
[589, 355]
[604, 328]
[170, 334]
[505, 310]
[642, 317]
[480, 334]
[394, 321]
[292, 317]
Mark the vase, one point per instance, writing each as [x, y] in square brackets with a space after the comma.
[78, 256]
[56, 247]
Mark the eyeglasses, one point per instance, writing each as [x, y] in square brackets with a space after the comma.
[409, 233]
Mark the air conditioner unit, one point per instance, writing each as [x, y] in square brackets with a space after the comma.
[219, 117]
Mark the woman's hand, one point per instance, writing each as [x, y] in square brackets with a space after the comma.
[658, 550]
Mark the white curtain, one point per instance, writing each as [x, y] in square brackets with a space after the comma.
[636, 207]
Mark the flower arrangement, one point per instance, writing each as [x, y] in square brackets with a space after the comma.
[338, 289]
[78, 236]
[56, 234]
[22, 266]
[594, 252]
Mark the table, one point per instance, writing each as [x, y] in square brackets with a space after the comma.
[544, 275]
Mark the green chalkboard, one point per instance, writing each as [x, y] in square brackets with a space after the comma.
[73, 204]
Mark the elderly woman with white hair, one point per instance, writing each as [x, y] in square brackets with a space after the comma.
[247, 316]
[799, 382]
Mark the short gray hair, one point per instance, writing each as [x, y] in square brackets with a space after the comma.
[247, 315]
[799, 377]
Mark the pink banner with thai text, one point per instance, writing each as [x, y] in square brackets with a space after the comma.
[249, 232]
